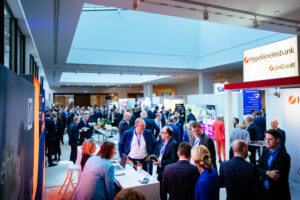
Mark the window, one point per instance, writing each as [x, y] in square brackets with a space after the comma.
[7, 37]
[20, 53]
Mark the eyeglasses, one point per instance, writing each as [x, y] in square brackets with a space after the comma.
[269, 139]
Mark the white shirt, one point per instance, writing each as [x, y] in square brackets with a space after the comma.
[138, 149]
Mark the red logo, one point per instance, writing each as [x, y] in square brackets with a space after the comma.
[246, 60]
[271, 68]
[292, 99]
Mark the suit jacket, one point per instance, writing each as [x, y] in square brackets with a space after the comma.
[190, 117]
[219, 129]
[125, 141]
[282, 138]
[169, 156]
[209, 143]
[176, 133]
[180, 127]
[164, 119]
[240, 178]
[89, 132]
[150, 114]
[278, 189]
[74, 135]
[260, 122]
[179, 180]
[123, 126]
[252, 129]
[50, 129]
[151, 125]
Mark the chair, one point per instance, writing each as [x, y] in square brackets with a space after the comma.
[71, 167]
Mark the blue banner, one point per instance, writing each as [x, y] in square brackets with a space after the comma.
[252, 100]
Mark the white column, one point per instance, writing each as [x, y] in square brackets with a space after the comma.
[148, 90]
[206, 82]
[228, 119]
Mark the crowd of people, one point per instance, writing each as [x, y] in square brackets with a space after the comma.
[185, 159]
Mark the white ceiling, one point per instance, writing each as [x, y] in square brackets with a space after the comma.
[44, 17]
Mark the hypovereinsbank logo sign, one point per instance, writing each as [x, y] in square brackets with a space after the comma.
[271, 61]
[260, 57]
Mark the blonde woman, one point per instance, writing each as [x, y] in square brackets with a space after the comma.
[188, 134]
[208, 185]
[88, 148]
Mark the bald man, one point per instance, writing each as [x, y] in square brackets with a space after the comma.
[240, 177]
[274, 125]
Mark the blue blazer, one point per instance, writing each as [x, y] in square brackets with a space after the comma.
[176, 133]
[190, 117]
[252, 129]
[240, 178]
[151, 125]
[260, 122]
[125, 142]
[169, 156]
[180, 127]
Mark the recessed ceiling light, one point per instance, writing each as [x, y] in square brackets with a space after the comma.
[276, 12]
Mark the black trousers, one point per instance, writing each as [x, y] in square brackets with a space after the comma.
[253, 154]
[73, 155]
[49, 149]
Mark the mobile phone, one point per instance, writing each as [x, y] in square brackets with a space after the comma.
[145, 180]
[154, 158]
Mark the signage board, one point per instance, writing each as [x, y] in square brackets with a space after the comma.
[251, 100]
[275, 60]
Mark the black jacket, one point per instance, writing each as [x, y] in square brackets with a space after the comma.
[169, 156]
[278, 189]
[240, 178]
[179, 180]
[74, 135]
[123, 126]
[209, 143]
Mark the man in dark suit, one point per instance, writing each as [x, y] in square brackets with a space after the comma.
[50, 136]
[180, 127]
[155, 111]
[260, 122]
[85, 128]
[74, 138]
[149, 113]
[274, 125]
[124, 124]
[164, 118]
[120, 117]
[240, 178]
[274, 168]
[190, 116]
[252, 129]
[203, 139]
[180, 178]
[138, 143]
[167, 155]
[176, 131]
[150, 123]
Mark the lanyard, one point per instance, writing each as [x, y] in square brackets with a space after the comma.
[138, 138]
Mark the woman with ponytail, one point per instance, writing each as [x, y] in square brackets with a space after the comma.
[208, 185]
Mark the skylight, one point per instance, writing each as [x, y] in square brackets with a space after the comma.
[106, 79]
